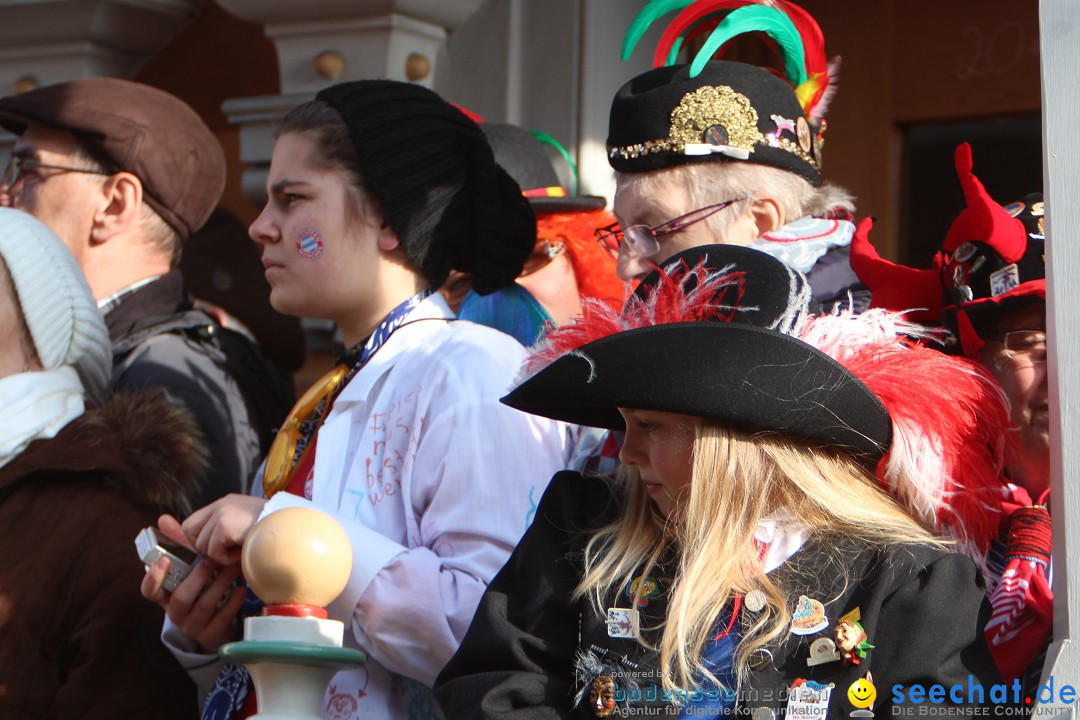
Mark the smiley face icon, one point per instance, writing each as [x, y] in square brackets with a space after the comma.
[862, 693]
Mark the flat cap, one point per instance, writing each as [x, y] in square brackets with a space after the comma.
[139, 129]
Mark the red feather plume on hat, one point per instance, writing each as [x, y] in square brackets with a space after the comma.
[947, 451]
[789, 30]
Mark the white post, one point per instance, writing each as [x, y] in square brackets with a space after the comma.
[1059, 38]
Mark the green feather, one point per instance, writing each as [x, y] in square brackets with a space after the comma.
[673, 56]
[546, 139]
[758, 18]
[644, 19]
[676, 46]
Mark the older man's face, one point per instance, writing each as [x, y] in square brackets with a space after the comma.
[62, 199]
[1022, 376]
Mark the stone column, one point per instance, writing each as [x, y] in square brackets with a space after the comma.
[326, 41]
[49, 41]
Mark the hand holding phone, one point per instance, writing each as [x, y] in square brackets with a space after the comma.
[152, 546]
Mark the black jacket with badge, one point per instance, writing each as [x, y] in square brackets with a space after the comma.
[922, 610]
[237, 397]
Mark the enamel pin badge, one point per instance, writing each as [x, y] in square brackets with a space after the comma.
[851, 640]
[808, 700]
[622, 623]
[822, 650]
[809, 617]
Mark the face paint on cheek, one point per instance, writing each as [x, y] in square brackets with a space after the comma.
[309, 243]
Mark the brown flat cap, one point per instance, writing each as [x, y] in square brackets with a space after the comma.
[139, 129]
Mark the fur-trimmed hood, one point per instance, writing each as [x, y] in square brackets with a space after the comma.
[139, 444]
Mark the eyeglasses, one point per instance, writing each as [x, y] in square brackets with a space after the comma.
[544, 252]
[644, 241]
[18, 165]
[1022, 345]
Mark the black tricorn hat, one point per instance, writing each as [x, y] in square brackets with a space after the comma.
[731, 111]
[519, 153]
[740, 369]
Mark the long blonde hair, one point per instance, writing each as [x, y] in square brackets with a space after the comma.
[738, 479]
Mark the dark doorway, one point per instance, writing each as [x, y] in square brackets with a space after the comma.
[1008, 160]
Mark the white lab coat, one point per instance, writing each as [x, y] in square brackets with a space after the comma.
[435, 481]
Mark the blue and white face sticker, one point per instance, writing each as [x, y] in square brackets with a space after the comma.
[309, 244]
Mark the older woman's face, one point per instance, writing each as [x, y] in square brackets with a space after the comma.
[1023, 378]
[667, 201]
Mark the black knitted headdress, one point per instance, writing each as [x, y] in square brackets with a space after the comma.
[435, 177]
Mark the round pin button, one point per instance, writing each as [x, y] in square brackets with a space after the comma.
[760, 659]
[716, 135]
[762, 713]
[754, 601]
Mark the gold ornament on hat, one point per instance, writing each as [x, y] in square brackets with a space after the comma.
[710, 114]
[700, 110]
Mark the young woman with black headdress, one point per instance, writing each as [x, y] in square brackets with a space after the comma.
[376, 190]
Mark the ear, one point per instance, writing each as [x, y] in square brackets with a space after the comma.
[388, 239]
[118, 208]
[768, 215]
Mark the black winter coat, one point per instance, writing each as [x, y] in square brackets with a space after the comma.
[922, 609]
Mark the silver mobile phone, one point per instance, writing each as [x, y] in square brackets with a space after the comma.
[152, 546]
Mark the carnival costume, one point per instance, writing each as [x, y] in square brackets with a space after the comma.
[727, 333]
[993, 258]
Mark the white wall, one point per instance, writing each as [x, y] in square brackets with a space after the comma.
[550, 65]
[1059, 31]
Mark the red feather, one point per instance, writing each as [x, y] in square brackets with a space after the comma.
[470, 114]
[682, 295]
[946, 458]
[812, 37]
[687, 17]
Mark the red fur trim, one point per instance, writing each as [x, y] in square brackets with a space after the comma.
[918, 293]
[947, 453]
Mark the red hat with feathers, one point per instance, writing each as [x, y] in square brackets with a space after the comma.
[992, 258]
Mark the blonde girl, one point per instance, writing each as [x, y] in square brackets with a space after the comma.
[768, 495]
